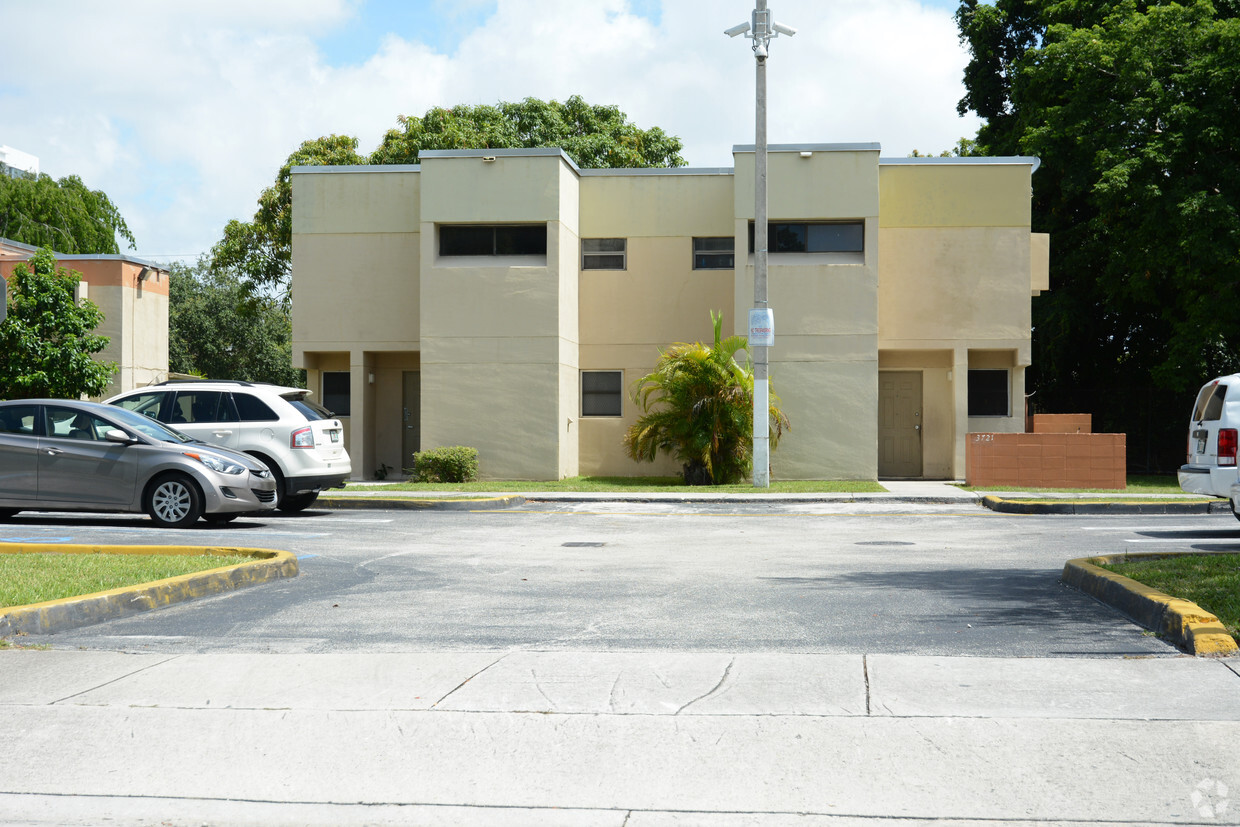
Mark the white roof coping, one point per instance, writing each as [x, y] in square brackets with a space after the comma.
[622, 171]
[853, 147]
[328, 169]
[981, 160]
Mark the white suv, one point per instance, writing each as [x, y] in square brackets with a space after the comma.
[1213, 441]
[300, 441]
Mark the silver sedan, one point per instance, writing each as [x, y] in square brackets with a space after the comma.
[67, 455]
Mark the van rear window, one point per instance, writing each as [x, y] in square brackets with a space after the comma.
[1209, 407]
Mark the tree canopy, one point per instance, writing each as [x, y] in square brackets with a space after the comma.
[64, 215]
[47, 339]
[218, 330]
[260, 249]
[593, 136]
[1131, 107]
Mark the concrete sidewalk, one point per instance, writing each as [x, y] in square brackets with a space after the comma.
[897, 491]
[633, 739]
[912, 491]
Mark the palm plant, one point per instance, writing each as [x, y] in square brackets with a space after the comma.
[698, 407]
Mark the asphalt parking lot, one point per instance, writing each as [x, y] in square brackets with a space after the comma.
[795, 578]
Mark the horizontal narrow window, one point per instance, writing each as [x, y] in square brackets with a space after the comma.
[813, 237]
[496, 240]
[988, 393]
[603, 253]
[602, 392]
[714, 253]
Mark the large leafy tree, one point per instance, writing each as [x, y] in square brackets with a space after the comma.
[1131, 107]
[218, 330]
[47, 339]
[260, 249]
[697, 406]
[64, 215]
[593, 136]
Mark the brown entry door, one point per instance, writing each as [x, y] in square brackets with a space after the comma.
[411, 417]
[899, 424]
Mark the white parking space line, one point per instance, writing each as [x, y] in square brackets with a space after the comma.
[1157, 527]
[1194, 541]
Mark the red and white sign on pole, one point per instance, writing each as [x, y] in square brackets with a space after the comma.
[762, 327]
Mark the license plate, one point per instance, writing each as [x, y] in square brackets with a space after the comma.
[335, 435]
[1201, 446]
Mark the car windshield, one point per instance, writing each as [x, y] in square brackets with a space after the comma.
[310, 410]
[147, 426]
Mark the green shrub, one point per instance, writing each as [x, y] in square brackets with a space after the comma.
[450, 464]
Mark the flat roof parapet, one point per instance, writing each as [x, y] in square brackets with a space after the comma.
[738, 149]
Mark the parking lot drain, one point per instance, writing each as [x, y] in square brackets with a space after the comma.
[582, 545]
[885, 543]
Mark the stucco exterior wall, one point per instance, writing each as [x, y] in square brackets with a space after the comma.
[824, 366]
[496, 354]
[957, 268]
[356, 248]
[622, 328]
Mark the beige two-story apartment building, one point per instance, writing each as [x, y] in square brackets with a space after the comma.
[507, 300]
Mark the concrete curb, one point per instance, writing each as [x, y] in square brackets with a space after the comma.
[72, 612]
[390, 501]
[1189, 626]
[486, 504]
[1086, 507]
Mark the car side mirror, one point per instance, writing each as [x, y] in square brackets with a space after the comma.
[117, 435]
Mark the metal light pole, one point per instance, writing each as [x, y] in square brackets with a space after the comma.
[760, 28]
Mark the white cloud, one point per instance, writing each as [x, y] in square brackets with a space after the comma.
[183, 112]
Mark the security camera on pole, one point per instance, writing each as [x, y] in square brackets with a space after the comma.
[760, 28]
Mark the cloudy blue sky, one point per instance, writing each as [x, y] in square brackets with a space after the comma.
[183, 111]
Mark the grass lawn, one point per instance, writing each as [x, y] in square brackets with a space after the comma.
[635, 485]
[1137, 484]
[34, 578]
[1212, 581]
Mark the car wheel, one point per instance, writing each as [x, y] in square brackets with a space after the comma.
[5, 513]
[174, 502]
[220, 519]
[297, 502]
[1234, 513]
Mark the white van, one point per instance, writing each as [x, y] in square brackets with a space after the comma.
[1212, 440]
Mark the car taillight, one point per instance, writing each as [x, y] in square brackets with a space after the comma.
[302, 438]
[1227, 446]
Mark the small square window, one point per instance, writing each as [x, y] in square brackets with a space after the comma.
[336, 391]
[603, 253]
[602, 393]
[714, 253]
[988, 393]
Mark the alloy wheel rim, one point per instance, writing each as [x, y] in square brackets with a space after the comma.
[171, 501]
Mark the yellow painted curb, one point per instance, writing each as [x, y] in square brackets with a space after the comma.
[84, 610]
[1188, 625]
